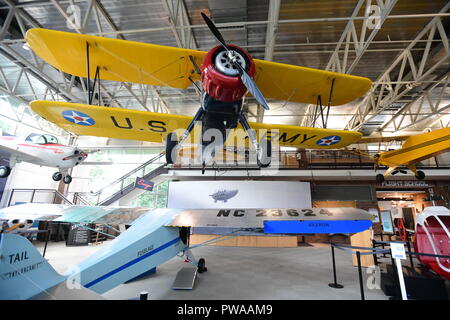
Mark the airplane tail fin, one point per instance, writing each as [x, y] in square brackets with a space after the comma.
[24, 272]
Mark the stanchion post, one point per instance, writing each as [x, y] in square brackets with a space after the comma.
[361, 287]
[46, 241]
[334, 284]
[408, 244]
[143, 295]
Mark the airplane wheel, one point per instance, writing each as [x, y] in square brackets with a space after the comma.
[4, 171]
[171, 142]
[379, 178]
[201, 266]
[67, 179]
[420, 175]
[57, 176]
[264, 154]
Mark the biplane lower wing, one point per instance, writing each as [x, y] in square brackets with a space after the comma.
[83, 119]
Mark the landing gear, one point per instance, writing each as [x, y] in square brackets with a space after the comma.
[4, 171]
[263, 148]
[67, 179]
[420, 175]
[172, 139]
[57, 176]
[171, 143]
[264, 153]
[201, 266]
[379, 178]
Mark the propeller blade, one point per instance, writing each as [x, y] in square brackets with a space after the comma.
[214, 30]
[253, 88]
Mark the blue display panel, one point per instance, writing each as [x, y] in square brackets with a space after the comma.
[316, 226]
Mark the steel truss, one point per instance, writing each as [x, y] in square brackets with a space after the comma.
[411, 79]
[350, 38]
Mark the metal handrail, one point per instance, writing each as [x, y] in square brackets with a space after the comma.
[56, 192]
[79, 195]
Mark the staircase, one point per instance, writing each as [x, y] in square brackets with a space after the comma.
[122, 186]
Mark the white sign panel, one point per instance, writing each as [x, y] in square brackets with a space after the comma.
[239, 194]
[398, 250]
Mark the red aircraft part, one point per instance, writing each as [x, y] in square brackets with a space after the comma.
[220, 86]
[432, 237]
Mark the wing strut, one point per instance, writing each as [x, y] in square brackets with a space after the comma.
[319, 107]
[96, 78]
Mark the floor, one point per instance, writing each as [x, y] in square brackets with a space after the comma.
[240, 273]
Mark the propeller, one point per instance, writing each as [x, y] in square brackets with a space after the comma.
[246, 79]
[76, 154]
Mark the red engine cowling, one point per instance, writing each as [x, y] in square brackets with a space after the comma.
[220, 78]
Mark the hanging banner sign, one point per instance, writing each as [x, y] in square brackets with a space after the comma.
[141, 183]
[405, 184]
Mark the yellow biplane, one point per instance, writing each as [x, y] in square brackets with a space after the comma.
[227, 74]
[415, 149]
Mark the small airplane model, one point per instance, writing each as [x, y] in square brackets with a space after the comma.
[415, 149]
[154, 237]
[226, 73]
[42, 150]
[223, 195]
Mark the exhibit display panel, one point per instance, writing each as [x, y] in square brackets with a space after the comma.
[239, 194]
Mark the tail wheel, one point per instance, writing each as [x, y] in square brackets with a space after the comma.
[420, 175]
[171, 143]
[57, 176]
[4, 171]
[201, 266]
[264, 154]
[379, 178]
[67, 179]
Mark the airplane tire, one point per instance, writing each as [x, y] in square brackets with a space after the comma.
[4, 171]
[67, 179]
[201, 266]
[171, 142]
[264, 155]
[57, 176]
[420, 175]
[379, 178]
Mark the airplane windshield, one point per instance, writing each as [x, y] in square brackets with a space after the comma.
[42, 139]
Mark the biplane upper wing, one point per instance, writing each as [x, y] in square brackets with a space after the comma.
[118, 60]
[137, 62]
[299, 84]
[121, 123]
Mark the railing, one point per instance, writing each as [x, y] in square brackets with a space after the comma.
[308, 159]
[19, 196]
[121, 185]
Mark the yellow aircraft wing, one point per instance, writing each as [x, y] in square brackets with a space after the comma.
[83, 119]
[119, 60]
[417, 148]
[299, 84]
[129, 61]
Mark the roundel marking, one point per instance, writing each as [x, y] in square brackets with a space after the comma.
[78, 117]
[328, 141]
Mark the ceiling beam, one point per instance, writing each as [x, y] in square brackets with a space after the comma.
[383, 94]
